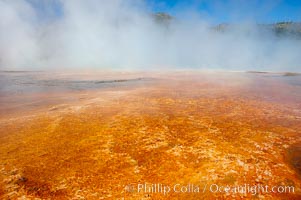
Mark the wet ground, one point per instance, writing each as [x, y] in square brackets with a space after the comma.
[97, 135]
[32, 89]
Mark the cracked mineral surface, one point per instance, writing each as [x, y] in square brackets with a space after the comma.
[98, 135]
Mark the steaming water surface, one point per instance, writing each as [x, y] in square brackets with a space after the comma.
[34, 82]
[27, 86]
[22, 90]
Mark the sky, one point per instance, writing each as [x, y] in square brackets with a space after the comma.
[213, 11]
[221, 11]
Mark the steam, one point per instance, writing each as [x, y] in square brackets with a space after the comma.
[122, 34]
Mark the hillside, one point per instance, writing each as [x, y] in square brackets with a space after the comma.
[281, 29]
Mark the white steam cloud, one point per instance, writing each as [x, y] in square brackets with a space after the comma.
[118, 34]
